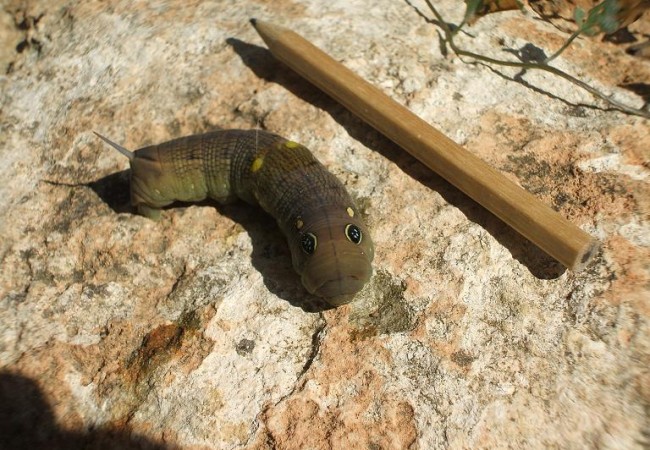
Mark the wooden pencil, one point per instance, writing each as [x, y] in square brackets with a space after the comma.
[515, 206]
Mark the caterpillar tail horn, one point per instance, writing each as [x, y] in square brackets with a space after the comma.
[129, 154]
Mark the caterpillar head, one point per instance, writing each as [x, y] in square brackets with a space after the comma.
[333, 252]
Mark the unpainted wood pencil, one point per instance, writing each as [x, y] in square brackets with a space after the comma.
[512, 204]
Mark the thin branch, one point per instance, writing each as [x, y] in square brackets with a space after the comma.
[564, 46]
[449, 36]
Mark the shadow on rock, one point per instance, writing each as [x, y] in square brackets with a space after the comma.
[27, 423]
[114, 191]
[265, 66]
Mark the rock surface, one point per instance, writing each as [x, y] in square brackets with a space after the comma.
[193, 332]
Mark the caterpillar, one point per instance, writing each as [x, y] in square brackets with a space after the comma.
[330, 246]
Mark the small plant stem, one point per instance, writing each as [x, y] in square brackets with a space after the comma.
[564, 46]
[449, 37]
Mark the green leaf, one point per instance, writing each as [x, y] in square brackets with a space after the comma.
[472, 7]
[579, 15]
[603, 17]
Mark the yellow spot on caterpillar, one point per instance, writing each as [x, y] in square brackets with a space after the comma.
[350, 212]
[291, 144]
[299, 223]
[257, 164]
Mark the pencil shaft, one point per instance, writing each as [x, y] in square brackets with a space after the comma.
[518, 208]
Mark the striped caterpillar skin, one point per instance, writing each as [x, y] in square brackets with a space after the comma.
[330, 245]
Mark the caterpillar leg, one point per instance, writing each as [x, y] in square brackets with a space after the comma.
[148, 211]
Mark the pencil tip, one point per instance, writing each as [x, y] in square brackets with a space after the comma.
[253, 21]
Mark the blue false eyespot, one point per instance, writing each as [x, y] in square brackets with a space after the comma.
[308, 243]
[353, 233]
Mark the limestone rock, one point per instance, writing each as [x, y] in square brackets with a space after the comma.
[194, 332]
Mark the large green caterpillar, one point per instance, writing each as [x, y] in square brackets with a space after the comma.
[330, 246]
